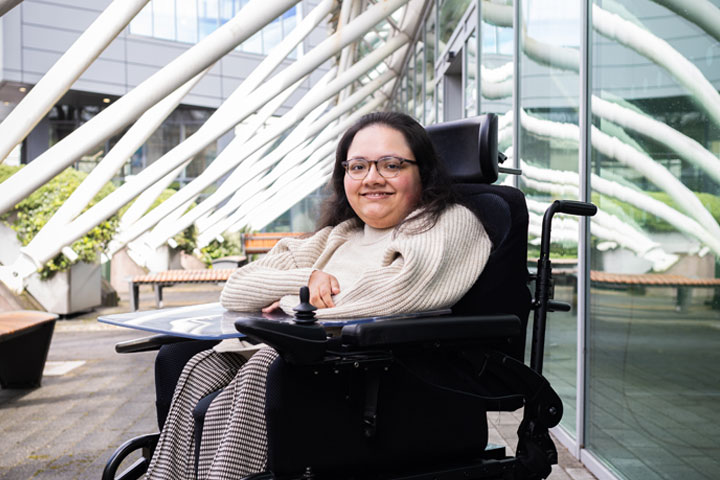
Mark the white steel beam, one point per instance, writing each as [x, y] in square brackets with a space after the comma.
[249, 20]
[700, 12]
[243, 175]
[58, 80]
[304, 106]
[239, 207]
[115, 159]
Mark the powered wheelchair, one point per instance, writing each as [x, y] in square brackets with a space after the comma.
[408, 399]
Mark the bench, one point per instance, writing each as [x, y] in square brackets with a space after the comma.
[257, 243]
[169, 278]
[24, 343]
[683, 284]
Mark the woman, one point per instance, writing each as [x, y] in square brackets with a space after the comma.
[393, 239]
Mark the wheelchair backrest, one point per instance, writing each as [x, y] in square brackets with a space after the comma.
[468, 149]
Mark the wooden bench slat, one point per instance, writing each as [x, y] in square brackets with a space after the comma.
[16, 321]
[652, 279]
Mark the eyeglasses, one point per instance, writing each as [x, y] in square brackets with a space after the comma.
[387, 167]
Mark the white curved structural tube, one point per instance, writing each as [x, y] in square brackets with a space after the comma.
[242, 176]
[58, 80]
[232, 151]
[304, 106]
[104, 171]
[296, 192]
[106, 207]
[661, 53]
[253, 80]
[565, 183]
[684, 146]
[238, 207]
[167, 229]
[606, 227]
[249, 20]
[614, 148]
[700, 12]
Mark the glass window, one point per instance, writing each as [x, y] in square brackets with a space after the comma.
[142, 23]
[272, 35]
[471, 65]
[410, 75]
[187, 21]
[430, 68]
[489, 38]
[227, 10]
[450, 13]
[253, 44]
[439, 94]
[208, 17]
[654, 361]
[419, 99]
[164, 19]
[549, 160]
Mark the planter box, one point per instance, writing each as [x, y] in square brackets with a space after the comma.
[76, 290]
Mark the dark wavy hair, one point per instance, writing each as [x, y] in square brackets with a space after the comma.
[437, 194]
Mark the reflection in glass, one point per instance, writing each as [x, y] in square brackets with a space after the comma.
[654, 354]
[470, 88]
[419, 98]
[410, 76]
[430, 68]
[450, 13]
[549, 108]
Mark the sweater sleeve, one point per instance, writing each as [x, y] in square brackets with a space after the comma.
[424, 271]
[285, 269]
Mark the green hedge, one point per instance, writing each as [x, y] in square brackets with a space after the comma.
[30, 215]
[231, 245]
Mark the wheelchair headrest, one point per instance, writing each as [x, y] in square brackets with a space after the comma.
[468, 148]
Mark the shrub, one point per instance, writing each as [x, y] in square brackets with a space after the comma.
[231, 245]
[31, 214]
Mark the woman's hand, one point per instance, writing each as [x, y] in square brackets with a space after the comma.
[322, 287]
[272, 307]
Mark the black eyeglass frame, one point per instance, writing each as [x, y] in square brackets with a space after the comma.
[345, 164]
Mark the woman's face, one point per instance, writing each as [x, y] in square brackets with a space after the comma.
[382, 202]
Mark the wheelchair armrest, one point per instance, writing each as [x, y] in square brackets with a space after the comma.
[432, 329]
[300, 344]
[147, 344]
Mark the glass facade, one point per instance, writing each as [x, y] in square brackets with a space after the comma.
[190, 21]
[654, 350]
[634, 83]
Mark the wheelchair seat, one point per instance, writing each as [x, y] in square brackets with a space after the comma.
[408, 399]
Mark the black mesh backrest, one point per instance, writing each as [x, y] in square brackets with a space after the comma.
[502, 287]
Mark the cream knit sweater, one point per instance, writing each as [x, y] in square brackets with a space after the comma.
[424, 271]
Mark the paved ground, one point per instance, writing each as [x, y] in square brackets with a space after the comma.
[68, 428]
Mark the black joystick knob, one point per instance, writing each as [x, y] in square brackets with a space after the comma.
[305, 311]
